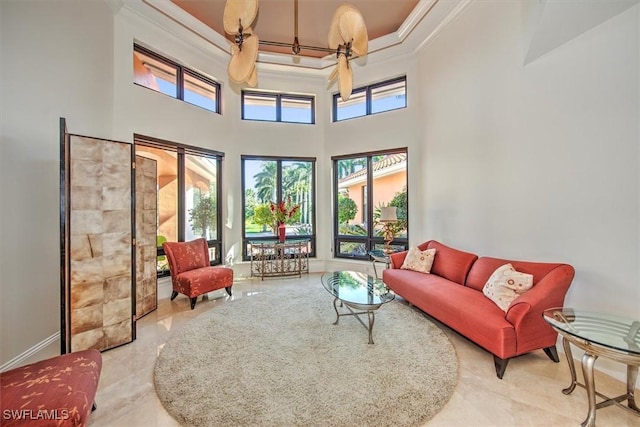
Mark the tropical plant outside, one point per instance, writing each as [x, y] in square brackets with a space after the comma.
[203, 215]
[347, 209]
[272, 214]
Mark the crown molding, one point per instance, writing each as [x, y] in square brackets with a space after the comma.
[413, 20]
[427, 19]
[175, 20]
[436, 22]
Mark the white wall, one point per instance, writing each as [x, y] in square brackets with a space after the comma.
[539, 161]
[56, 62]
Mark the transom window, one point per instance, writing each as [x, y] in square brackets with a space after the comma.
[158, 73]
[278, 107]
[373, 99]
[362, 184]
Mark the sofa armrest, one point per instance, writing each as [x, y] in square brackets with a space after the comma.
[549, 292]
[397, 259]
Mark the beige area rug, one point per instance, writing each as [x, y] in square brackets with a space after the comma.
[276, 359]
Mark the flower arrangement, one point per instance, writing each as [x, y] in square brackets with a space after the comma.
[283, 212]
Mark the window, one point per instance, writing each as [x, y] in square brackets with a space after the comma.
[377, 98]
[165, 76]
[364, 183]
[276, 179]
[188, 195]
[278, 107]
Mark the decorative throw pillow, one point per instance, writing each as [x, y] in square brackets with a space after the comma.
[506, 284]
[418, 260]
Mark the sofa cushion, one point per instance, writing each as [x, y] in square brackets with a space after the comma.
[415, 286]
[484, 267]
[200, 281]
[505, 285]
[418, 260]
[463, 309]
[451, 263]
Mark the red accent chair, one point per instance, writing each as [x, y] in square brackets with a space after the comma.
[191, 273]
[58, 391]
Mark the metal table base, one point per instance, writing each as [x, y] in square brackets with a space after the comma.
[369, 310]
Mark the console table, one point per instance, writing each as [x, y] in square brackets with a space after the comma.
[272, 258]
[598, 334]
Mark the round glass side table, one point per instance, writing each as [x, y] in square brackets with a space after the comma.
[379, 256]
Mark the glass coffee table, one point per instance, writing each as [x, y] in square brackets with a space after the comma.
[357, 291]
[598, 334]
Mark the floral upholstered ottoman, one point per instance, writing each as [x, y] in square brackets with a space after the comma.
[55, 392]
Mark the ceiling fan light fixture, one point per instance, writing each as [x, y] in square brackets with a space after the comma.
[347, 36]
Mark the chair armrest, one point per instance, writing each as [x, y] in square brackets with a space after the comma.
[550, 291]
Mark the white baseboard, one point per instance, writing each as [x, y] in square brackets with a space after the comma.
[22, 358]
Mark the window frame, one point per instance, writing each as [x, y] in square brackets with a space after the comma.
[279, 178]
[181, 71]
[368, 99]
[182, 150]
[279, 96]
[370, 240]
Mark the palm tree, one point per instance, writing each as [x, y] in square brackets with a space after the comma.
[296, 184]
[266, 184]
[348, 166]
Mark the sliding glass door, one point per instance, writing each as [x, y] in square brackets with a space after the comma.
[188, 195]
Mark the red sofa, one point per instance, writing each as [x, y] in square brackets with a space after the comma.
[59, 391]
[452, 293]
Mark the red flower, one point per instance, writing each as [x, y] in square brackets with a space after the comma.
[283, 211]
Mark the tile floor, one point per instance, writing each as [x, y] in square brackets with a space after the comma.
[529, 395]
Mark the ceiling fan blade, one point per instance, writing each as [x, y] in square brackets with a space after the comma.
[252, 81]
[333, 74]
[335, 38]
[243, 61]
[345, 78]
[238, 12]
[352, 28]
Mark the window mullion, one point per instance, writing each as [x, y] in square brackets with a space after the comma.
[370, 227]
[279, 181]
[180, 85]
[182, 189]
[278, 108]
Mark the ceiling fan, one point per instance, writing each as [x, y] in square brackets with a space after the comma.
[347, 38]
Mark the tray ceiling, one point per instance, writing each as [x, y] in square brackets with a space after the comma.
[275, 21]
